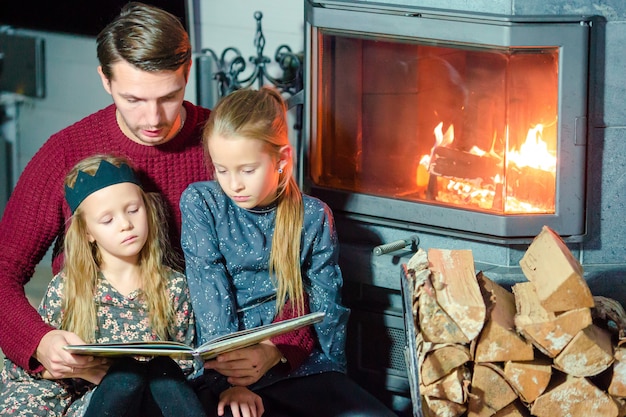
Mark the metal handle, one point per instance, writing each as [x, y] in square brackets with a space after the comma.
[413, 241]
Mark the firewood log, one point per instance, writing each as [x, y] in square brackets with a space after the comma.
[528, 305]
[436, 407]
[441, 360]
[490, 392]
[418, 278]
[557, 275]
[574, 397]
[456, 288]
[589, 353]
[551, 337]
[547, 331]
[452, 387]
[418, 262]
[617, 386]
[417, 274]
[533, 186]
[529, 379]
[515, 409]
[498, 341]
[434, 323]
[621, 406]
[455, 163]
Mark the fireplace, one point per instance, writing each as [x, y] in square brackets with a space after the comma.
[472, 124]
[451, 128]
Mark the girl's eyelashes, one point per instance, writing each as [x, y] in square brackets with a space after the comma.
[109, 219]
[244, 171]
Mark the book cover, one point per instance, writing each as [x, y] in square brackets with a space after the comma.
[208, 350]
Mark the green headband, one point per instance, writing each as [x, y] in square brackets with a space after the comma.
[106, 175]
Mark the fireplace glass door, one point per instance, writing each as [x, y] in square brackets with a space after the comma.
[465, 127]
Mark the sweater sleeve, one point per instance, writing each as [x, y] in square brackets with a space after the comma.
[32, 220]
[298, 344]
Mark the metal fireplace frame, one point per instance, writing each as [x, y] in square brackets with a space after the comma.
[571, 34]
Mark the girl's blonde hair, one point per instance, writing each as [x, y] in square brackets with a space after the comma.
[82, 263]
[262, 115]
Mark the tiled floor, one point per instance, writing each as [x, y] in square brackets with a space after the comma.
[37, 286]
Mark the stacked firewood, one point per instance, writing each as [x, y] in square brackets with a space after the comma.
[545, 348]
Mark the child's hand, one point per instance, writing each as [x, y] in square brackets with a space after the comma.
[242, 402]
[246, 366]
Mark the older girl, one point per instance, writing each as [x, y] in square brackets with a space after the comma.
[254, 243]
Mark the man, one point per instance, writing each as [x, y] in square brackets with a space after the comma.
[145, 58]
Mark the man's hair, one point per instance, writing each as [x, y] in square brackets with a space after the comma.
[147, 37]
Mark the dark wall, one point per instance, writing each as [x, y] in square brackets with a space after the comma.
[80, 17]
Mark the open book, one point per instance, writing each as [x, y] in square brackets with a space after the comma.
[208, 350]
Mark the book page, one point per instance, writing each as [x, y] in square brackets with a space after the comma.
[249, 337]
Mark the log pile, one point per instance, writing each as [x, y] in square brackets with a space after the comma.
[545, 348]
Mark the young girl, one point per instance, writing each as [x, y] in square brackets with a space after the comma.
[254, 243]
[114, 288]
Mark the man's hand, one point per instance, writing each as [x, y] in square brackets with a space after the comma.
[242, 403]
[61, 364]
[246, 366]
[93, 374]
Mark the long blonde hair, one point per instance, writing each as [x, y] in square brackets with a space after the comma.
[261, 115]
[82, 261]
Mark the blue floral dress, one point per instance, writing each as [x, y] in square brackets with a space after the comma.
[119, 318]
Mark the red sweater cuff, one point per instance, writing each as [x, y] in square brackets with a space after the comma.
[296, 345]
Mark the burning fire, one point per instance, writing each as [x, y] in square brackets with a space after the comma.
[521, 181]
[534, 152]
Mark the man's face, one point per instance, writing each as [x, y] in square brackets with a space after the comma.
[149, 104]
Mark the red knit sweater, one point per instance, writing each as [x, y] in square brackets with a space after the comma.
[37, 212]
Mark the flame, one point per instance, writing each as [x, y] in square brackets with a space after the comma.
[444, 139]
[483, 192]
[534, 152]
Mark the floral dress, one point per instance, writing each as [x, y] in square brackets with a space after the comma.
[119, 319]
